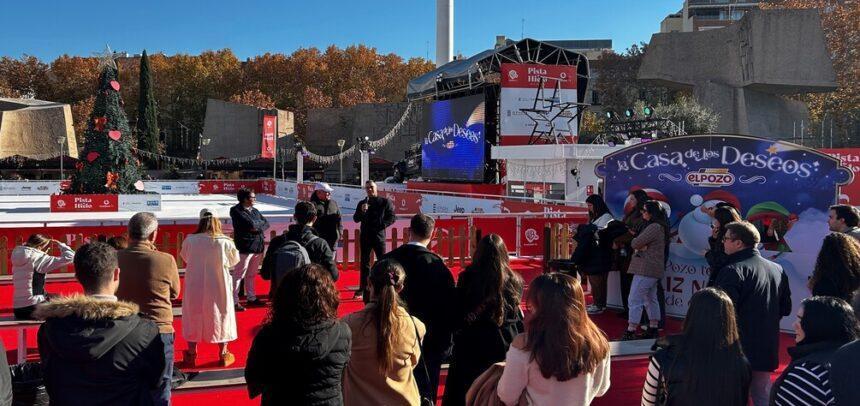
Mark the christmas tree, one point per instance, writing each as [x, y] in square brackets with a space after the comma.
[147, 122]
[107, 164]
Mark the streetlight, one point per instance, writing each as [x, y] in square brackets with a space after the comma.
[340, 144]
[203, 142]
[62, 142]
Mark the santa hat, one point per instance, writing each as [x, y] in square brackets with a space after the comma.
[725, 196]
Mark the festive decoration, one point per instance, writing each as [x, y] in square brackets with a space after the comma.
[139, 185]
[111, 180]
[108, 152]
[114, 85]
[99, 123]
[284, 155]
[79, 165]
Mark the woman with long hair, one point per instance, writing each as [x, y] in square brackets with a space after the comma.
[622, 251]
[385, 344]
[563, 358]
[488, 316]
[647, 267]
[300, 352]
[716, 255]
[837, 269]
[823, 325]
[593, 253]
[207, 304]
[30, 263]
[704, 365]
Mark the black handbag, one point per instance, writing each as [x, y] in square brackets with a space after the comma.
[425, 401]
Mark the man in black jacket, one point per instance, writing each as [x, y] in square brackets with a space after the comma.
[304, 233]
[843, 368]
[249, 231]
[429, 294]
[761, 295]
[328, 224]
[95, 349]
[375, 215]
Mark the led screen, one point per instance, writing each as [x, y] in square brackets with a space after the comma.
[452, 145]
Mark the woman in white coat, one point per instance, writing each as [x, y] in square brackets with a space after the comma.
[207, 305]
[30, 263]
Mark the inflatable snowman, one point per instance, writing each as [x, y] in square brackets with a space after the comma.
[695, 227]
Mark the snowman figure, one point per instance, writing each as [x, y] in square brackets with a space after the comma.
[695, 227]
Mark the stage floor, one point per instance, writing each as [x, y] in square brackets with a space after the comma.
[34, 211]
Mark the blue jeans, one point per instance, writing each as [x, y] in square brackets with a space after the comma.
[161, 395]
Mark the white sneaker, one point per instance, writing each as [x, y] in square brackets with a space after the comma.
[592, 309]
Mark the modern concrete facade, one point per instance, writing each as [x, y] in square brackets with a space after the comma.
[742, 71]
[326, 126]
[32, 128]
[235, 130]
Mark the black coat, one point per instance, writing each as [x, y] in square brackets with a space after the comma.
[478, 343]
[843, 374]
[379, 216]
[674, 370]
[98, 352]
[249, 229]
[328, 223]
[593, 254]
[317, 248]
[819, 354]
[716, 257]
[429, 294]
[293, 365]
[761, 295]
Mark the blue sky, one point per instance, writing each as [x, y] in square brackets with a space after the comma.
[49, 28]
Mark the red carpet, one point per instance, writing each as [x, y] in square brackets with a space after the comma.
[627, 376]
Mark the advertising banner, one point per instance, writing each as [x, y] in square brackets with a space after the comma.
[450, 204]
[45, 187]
[850, 158]
[782, 188]
[404, 202]
[268, 149]
[453, 144]
[172, 187]
[516, 206]
[136, 203]
[84, 203]
[531, 233]
[541, 88]
[227, 186]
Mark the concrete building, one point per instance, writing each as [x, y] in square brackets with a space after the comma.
[32, 128]
[328, 125]
[743, 71]
[235, 130]
[701, 15]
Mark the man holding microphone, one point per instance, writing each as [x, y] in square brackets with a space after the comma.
[375, 215]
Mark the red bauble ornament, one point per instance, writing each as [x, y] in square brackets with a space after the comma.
[114, 85]
[92, 156]
[114, 135]
[111, 180]
[79, 166]
[100, 123]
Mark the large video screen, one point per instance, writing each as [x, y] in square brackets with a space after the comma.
[452, 145]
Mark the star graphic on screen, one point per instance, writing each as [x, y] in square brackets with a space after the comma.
[773, 149]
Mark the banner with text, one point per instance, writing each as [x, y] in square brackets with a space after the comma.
[850, 157]
[776, 185]
[268, 150]
[532, 97]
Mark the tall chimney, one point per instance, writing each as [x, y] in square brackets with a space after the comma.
[444, 31]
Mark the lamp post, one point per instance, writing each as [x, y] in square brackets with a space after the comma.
[203, 142]
[340, 144]
[62, 142]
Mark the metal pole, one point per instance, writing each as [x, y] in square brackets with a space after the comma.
[62, 150]
[823, 120]
[300, 167]
[275, 155]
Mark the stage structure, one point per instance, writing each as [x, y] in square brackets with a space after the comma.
[517, 94]
[33, 129]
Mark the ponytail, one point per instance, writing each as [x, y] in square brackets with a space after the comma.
[386, 278]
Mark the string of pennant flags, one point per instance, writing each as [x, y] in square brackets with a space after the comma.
[287, 154]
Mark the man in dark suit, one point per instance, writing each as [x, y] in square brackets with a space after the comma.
[249, 230]
[429, 295]
[761, 295]
[375, 215]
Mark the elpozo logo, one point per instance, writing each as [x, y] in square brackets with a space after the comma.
[513, 75]
[711, 177]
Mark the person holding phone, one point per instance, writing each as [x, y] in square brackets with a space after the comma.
[30, 263]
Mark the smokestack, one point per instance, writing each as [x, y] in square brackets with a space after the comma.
[444, 31]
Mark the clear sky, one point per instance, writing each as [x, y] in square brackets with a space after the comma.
[49, 28]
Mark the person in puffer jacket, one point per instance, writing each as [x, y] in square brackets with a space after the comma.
[30, 263]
